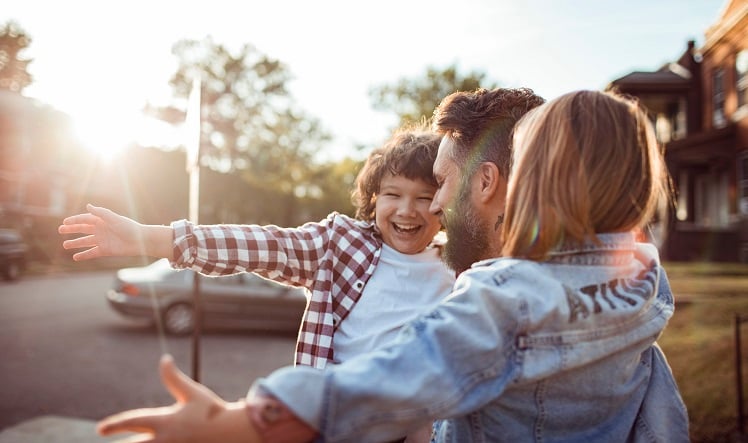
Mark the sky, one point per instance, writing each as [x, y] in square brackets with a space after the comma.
[101, 61]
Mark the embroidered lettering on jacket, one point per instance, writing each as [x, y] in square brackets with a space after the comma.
[612, 294]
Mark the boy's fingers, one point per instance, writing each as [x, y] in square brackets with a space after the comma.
[78, 228]
[88, 254]
[80, 242]
[93, 251]
[100, 212]
[181, 387]
[81, 219]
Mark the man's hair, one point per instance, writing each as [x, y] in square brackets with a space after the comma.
[587, 162]
[481, 123]
[410, 153]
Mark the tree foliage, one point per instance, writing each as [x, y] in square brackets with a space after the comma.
[414, 99]
[251, 127]
[14, 74]
[333, 184]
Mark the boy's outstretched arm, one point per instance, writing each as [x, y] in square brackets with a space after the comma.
[199, 415]
[107, 234]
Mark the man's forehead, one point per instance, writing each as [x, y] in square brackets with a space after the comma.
[446, 143]
[446, 148]
[444, 156]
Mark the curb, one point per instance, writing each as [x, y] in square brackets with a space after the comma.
[54, 429]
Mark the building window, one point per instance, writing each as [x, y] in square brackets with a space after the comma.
[682, 211]
[671, 124]
[741, 75]
[681, 129]
[743, 185]
[711, 207]
[718, 98]
[663, 128]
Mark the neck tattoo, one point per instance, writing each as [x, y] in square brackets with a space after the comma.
[498, 222]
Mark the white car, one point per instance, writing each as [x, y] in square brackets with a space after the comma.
[245, 300]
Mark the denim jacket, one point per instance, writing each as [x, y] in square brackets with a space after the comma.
[521, 351]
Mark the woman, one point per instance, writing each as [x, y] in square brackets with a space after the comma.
[556, 341]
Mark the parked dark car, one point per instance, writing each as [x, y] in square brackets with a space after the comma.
[245, 300]
[13, 252]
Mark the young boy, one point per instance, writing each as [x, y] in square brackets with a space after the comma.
[384, 263]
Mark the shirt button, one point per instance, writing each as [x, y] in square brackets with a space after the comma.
[359, 285]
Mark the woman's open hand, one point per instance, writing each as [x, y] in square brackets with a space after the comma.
[199, 415]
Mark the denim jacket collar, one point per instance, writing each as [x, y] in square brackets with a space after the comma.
[606, 249]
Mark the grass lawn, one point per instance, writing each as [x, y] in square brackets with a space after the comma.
[699, 343]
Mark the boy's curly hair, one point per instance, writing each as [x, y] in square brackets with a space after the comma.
[410, 152]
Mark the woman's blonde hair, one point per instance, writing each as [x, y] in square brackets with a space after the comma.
[584, 163]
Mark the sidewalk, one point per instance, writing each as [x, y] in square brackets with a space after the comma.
[55, 429]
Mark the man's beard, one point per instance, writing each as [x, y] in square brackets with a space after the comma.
[467, 235]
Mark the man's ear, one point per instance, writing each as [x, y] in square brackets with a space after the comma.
[490, 181]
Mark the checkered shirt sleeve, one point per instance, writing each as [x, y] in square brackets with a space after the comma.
[332, 258]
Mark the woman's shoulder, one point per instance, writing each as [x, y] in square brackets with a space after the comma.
[510, 274]
[515, 288]
[503, 266]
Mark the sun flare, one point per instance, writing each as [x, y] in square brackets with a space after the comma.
[106, 135]
[103, 135]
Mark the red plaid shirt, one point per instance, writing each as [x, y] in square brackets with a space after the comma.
[333, 259]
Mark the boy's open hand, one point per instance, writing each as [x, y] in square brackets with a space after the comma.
[106, 234]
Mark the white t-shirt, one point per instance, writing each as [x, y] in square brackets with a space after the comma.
[402, 287]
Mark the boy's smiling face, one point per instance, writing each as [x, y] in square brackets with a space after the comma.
[402, 213]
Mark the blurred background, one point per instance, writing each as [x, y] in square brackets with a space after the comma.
[94, 100]
[294, 95]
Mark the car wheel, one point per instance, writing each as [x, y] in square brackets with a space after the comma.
[12, 271]
[179, 319]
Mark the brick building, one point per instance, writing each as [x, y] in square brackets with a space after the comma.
[699, 105]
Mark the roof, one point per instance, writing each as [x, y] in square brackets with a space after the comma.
[669, 78]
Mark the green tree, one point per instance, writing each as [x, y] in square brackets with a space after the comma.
[333, 184]
[414, 99]
[14, 75]
[251, 126]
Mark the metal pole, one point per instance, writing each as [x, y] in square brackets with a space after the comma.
[192, 123]
[196, 330]
[739, 373]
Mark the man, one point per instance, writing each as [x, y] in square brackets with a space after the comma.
[472, 168]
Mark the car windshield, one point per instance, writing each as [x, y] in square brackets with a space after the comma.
[160, 268]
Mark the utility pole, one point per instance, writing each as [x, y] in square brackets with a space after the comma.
[193, 135]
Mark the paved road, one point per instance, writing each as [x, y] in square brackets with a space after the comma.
[64, 352]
